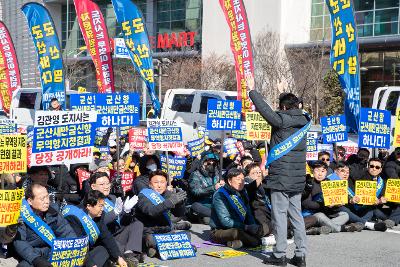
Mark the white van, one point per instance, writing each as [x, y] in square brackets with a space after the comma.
[189, 106]
[25, 101]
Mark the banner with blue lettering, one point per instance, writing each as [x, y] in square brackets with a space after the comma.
[69, 252]
[10, 128]
[196, 147]
[48, 50]
[120, 50]
[164, 135]
[312, 149]
[133, 27]
[230, 147]
[344, 57]
[177, 166]
[334, 129]
[224, 114]
[120, 109]
[374, 129]
[174, 246]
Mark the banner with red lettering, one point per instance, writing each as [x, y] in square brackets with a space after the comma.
[236, 17]
[10, 78]
[82, 176]
[94, 32]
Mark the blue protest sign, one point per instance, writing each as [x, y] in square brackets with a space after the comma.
[104, 151]
[240, 134]
[48, 50]
[69, 252]
[8, 128]
[120, 109]
[326, 147]
[344, 57]
[196, 147]
[230, 146]
[334, 129]
[224, 114]
[164, 135]
[177, 166]
[174, 246]
[374, 129]
[120, 50]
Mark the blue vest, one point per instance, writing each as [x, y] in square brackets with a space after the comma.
[236, 203]
[156, 199]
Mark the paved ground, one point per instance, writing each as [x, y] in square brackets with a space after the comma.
[365, 249]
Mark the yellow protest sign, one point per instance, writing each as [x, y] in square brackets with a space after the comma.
[256, 127]
[335, 192]
[396, 137]
[225, 254]
[366, 191]
[392, 193]
[13, 153]
[10, 206]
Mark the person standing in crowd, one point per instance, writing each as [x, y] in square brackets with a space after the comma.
[286, 177]
[128, 231]
[232, 222]
[55, 105]
[338, 156]
[88, 219]
[202, 184]
[154, 209]
[32, 247]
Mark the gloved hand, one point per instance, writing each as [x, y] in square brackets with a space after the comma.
[252, 228]
[178, 197]
[41, 262]
[118, 206]
[130, 203]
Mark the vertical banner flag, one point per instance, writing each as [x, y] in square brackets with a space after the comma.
[334, 129]
[344, 57]
[236, 17]
[94, 31]
[374, 128]
[137, 42]
[49, 53]
[10, 78]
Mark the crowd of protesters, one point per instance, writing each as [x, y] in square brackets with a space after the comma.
[241, 201]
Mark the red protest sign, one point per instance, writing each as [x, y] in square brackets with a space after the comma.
[82, 176]
[127, 180]
[137, 138]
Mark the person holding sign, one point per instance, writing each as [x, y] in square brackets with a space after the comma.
[287, 170]
[202, 184]
[232, 222]
[43, 223]
[88, 219]
[155, 206]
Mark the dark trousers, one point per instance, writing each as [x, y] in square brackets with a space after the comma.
[223, 236]
[310, 221]
[97, 257]
[130, 238]
[199, 210]
[361, 216]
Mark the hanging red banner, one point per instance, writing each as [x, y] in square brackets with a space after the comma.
[94, 31]
[10, 78]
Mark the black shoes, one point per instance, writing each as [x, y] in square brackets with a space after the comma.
[272, 260]
[298, 261]
[380, 226]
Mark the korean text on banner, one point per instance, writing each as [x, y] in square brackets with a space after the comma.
[241, 46]
[392, 192]
[257, 128]
[164, 135]
[230, 147]
[174, 246]
[240, 134]
[120, 50]
[63, 137]
[48, 49]
[344, 57]
[223, 114]
[82, 176]
[127, 180]
[334, 129]
[8, 128]
[312, 148]
[374, 129]
[69, 252]
[177, 166]
[10, 78]
[335, 192]
[137, 41]
[137, 138]
[196, 147]
[396, 137]
[366, 190]
[94, 32]
[113, 109]
[13, 153]
[10, 203]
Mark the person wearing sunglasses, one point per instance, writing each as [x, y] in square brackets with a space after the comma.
[325, 156]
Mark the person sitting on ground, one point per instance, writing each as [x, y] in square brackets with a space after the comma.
[245, 160]
[87, 219]
[325, 156]
[40, 175]
[232, 222]
[364, 214]
[31, 245]
[259, 200]
[154, 209]
[147, 164]
[358, 164]
[202, 185]
[339, 155]
[128, 231]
